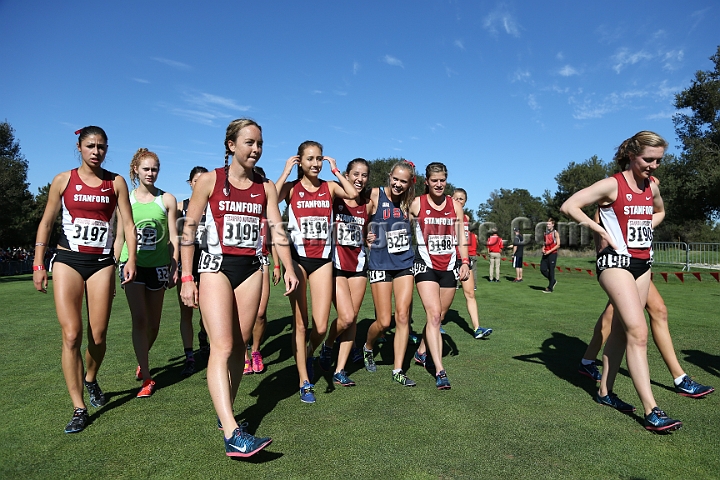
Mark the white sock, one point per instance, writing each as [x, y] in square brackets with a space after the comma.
[365, 349]
[585, 361]
[679, 379]
[397, 370]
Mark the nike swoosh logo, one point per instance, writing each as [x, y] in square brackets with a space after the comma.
[253, 195]
[242, 449]
[447, 213]
[648, 198]
[103, 259]
[320, 194]
[105, 189]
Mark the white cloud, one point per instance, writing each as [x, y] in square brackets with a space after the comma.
[356, 68]
[560, 56]
[500, 18]
[568, 71]
[459, 43]
[532, 102]
[521, 76]
[665, 114]
[450, 72]
[623, 57]
[665, 91]
[390, 60]
[172, 63]
[207, 100]
[672, 58]
[340, 93]
[140, 80]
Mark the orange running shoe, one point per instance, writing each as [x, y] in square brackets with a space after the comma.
[257, 362]
[248, 368]
[148, 387]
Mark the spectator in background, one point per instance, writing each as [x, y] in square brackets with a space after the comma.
[549, 255]
[517, 254]
[494, 246]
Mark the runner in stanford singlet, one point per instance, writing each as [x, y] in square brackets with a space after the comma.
[630, 207]
[309, 218]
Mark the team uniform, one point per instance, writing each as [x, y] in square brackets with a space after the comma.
[310, 217]
[471, 240]
[233, 226]
[436, 259]
[628, 221]
[153, 255]
[517, 259]
[349, 259]
[390, 254]
[264, 243]
[88, 214]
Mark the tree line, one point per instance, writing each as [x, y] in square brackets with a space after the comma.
[690, 181]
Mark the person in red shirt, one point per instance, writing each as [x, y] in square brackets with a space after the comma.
[549, 255]
[494, 246]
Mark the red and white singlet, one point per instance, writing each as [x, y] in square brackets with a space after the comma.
[349, 251]
[628, 219]
[436, 235]
[233, 222]
[87, 215]
[264, 244]
[309, 223]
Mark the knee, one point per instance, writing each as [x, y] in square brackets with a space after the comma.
[72, 339]
[637, 336]
[319, 330]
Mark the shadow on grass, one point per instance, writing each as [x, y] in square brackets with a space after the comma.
[279, 331]
[708, 362]
[19, 278]
[560, 354]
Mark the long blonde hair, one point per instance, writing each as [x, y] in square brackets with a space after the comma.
[635, 145]
[406, 198]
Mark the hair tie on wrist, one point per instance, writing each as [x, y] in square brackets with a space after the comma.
[37, 268]
[277, 267]
[335, 171]
[187, 278]
[41, 244]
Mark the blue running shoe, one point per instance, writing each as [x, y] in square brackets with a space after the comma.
[78, 422]
[325, 359]
[403, 379]
[420, 358]
[658, 421]
[441, 381]
[97, 398]
[690, 388]
[590, 371]
[242, 444]
[307, 392]
[442, 330]
[369, 361]
[482, 332]
[612, 400]
[341, 378]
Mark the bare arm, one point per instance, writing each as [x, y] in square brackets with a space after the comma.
[282, 188]
[279, 237]
[52, 208]
[464, 273]
[344, 189]
[171, 206]
[602, 192]
[126, 219]
[658, 205]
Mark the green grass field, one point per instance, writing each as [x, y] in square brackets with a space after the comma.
[517, 408]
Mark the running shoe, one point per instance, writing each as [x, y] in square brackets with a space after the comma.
[420, 358]
[257, 362]
[442, 330]
[97, 398]
[242, 444]
[441, 381]
[482, 332]
[356, 354]
[325, 359]
[307, 392]
[148, 388]
[402, 379]
[413, 338]
[138, 373]
[341, 378]
[553, 285]
[612, 400]
[189, 367]
[547, 290]
[690, 388]
[79, 421]
[369, 361]
[248, 370]
[658, 421]
[590, 371]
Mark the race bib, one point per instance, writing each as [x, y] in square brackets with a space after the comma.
[314, 228]
[440, 244]
[376, 276]
[397, 241]
[163, 274]
[146, 238]
[209, 263]
[639, 233]
[89, 233]
[349, 234]
[241, 231]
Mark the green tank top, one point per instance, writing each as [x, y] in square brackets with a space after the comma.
[151, 224]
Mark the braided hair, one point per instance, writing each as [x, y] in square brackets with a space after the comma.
[231, 134]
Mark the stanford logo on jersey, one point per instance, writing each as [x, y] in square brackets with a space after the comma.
[340, 208]
[78, 187]
[302, 194]
[629, 197]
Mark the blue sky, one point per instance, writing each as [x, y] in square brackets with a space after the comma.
[506, 94]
